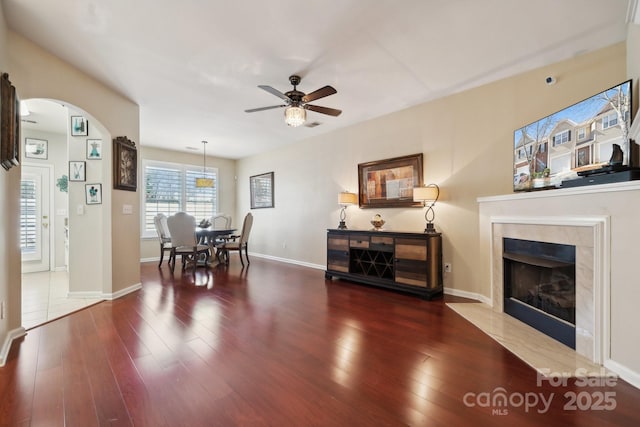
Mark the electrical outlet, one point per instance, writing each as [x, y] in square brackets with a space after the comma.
[447, 267]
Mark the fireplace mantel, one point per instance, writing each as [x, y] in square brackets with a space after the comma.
[564, 192]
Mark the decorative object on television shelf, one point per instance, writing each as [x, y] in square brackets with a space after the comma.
[428, 195]
[377, 222]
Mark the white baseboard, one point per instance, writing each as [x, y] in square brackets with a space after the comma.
[6, 345]
[103, 295]
[289, 261]
[623, 372]
[470, 295]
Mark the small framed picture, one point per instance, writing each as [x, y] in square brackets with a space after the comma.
[79, 126]
[93, 193]
[77, 171]
[261, 190]
[94, 149]
[35, 148]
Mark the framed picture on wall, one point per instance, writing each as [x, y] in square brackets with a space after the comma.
[93, 194]
[10, 129]
[94, 149]
[79, 126]
[125, 164]
[389, 183]
[77, 171]
[261, 189]
[36, 148]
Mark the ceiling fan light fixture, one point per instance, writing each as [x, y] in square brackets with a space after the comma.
[295, 116]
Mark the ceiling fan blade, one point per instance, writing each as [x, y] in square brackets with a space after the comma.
[253, 110]
[323, 110]
[320, 93]
[275, 92]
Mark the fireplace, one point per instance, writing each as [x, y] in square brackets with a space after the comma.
[540, 286]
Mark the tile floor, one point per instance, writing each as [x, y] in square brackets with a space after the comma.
[535, 348]
[44, 298]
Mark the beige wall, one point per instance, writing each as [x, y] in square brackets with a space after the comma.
[467, 141]
[149, 248]
[39, 74]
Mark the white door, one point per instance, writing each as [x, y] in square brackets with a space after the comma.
[34, 218]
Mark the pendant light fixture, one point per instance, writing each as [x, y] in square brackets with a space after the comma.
[204, 182]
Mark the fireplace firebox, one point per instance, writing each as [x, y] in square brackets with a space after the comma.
[540, 286]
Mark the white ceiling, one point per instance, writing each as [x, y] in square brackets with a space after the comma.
[193, 66]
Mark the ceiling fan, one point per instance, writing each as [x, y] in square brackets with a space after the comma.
[296, 102]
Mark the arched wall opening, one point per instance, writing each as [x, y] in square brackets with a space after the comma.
[79, 224]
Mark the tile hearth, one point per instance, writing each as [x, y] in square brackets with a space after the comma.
[535, 348]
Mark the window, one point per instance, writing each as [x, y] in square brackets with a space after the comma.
[542, 148]
[561, 137]
[171, 188]
[609, 120]
[582, 134]
[28, 216]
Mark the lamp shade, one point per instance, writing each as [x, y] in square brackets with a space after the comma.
[346, 198]
[204, 182]
[429, 193]
[295, 116]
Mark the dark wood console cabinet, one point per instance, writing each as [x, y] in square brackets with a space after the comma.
[409, 262]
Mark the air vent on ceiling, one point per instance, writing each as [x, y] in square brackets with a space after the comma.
[313, 124]
[29, 121]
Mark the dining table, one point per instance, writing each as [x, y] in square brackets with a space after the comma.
[208, 236]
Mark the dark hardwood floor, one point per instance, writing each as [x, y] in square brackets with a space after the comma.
[277, 345]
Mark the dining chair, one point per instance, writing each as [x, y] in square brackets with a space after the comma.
[184, 242]
[220, 221]
[160, 223]
[237, 243]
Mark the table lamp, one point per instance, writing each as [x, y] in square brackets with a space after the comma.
[428, 195]
[345, 199]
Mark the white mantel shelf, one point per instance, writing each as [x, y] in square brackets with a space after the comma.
[563, 192]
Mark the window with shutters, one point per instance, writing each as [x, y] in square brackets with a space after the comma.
[28, 216]
[171, 188]
[562, 137]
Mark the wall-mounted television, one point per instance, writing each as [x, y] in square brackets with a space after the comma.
[577, 139]
[9, 124]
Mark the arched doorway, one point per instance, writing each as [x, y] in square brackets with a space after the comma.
[57, 163]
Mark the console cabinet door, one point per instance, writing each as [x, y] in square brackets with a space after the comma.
[411, 261]
[338, 252]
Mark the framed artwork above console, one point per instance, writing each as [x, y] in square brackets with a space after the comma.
[389, 183]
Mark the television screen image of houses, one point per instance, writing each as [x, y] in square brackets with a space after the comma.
[578, 138]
